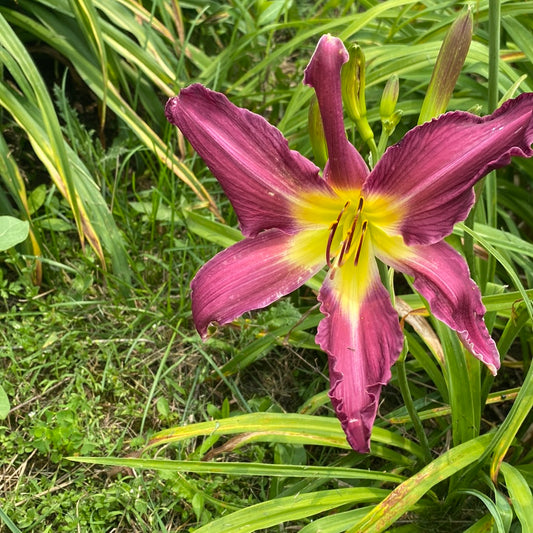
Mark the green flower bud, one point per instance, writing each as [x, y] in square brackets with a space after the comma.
[389, 98]
[353, 90]
[390, 123]
[449, 63]
[353, 83]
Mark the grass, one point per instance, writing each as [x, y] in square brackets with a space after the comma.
[117, 417]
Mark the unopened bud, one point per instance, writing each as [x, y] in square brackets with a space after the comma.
[390, 123]
[449, 63]
[389, 97]
[353, 90]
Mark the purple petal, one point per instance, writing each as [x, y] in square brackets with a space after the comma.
[345, 169]
[250, 158]
[252, 274]
[362, 337]
[442, 277]
[430, 173]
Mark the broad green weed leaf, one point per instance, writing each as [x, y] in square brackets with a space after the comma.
[36, 198]
[55, 224]
[12, 232]
[4, 403]
[210, 229]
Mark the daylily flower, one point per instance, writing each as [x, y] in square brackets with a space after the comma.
[296, 221]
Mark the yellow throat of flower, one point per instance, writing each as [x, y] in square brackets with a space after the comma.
[347, 235]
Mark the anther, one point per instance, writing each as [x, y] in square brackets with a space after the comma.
[360, 206]
[332, 232]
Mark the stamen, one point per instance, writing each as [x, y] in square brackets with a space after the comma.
[360, 206]
[360, 245]
[348, 241]
[332, 232]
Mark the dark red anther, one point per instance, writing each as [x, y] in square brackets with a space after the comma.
[332, 232]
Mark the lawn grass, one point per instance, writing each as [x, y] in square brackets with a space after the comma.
[98, 353]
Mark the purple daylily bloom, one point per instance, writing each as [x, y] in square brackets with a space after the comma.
[295, 222]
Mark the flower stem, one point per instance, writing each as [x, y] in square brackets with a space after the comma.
[382, 145]
[468, 245]
[374, 151]
[494, 53]
[487, 187]
[409, 404]
[491, 198]
[524, 402]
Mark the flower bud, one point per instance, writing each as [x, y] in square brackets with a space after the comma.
[449, 63]
[353, 90]
[390, 123]
[389, 98]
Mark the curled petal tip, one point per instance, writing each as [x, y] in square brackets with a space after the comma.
[361, 349]
[357, 434]
[442, 278]
[346, 168]
[478, 341]
[170, 109]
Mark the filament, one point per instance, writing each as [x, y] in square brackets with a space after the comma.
[360, 245]
[348, 237]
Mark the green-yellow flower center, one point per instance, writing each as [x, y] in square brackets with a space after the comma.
[347, 234]
[347, 228]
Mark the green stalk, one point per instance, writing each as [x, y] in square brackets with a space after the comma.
[410, 406]
[374, 151]
[494, 52]
[490, 185]
[8, 522]
[468, 244]
[382, 145]
[156, 381]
